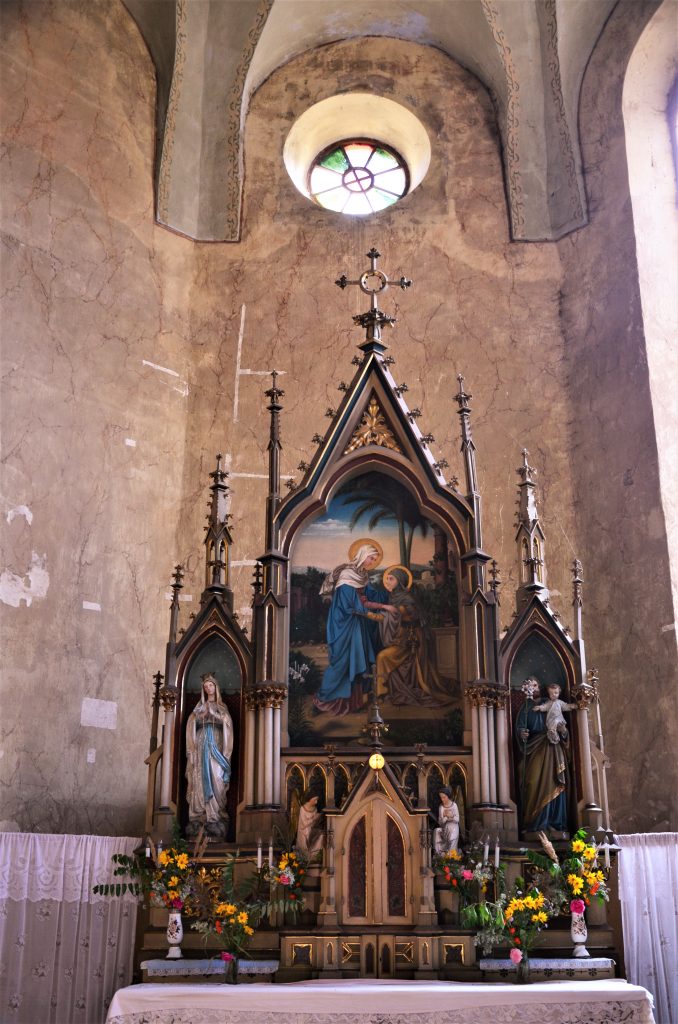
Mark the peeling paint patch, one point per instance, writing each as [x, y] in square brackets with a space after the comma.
[243, 561]
[182, 597]
[20, 510]
[130, 442]
[91, 755]
[34, 584]
[100, 714]
[91, 606]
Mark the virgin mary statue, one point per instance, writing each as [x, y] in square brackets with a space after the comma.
[209, 745]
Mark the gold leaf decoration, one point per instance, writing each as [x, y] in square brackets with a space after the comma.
[373, 429]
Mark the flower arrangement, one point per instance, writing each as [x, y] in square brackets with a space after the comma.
[225, 912]
[576, 880]
[467, 873]
[162, 876]
[516, 917]
[171, 881]
[288, 874]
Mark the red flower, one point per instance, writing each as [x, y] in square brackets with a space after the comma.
[218, 927]
[292, 896]
[517, 941]
[454, 881]
[227, 956]
[512, 931]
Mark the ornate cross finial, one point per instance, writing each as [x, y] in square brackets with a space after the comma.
[274, 392]
[157, 683]
[372, 282]
[461, 397]
[526, 470]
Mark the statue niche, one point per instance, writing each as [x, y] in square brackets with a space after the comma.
[210, 740]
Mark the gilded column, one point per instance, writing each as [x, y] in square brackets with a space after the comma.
[484, 754]
[475, 744]
[250, 744]
[502, 750]
[268, 750]
[492, 756]
[584, 693]
[168, 697]
[260, 752]
[277, 726]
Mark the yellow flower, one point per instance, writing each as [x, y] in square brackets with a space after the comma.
[220, 909]
[182, 861]
[231, 920]
[173, 894]
[248, 930]
[540, 918]
[578, 845]
[576, 883]
[589, 853]
[229, 908]
[164, 858]
[173, 882]
[540, 900]
[453, 855]
[242, 917]
[530, 903]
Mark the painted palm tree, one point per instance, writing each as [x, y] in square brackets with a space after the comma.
[384, 500]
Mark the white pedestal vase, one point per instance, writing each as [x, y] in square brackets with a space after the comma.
[175, 934]
[579, 934]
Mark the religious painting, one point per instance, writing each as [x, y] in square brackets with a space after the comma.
[373, 608]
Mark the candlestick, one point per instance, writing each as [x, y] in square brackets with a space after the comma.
[496, 853]
[486, 849]
[606, 847]
[259, 854]
[270, 852]
[148, 851]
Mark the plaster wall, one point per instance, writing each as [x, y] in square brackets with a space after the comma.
[96, 360]
[620, 515]
[101, 304]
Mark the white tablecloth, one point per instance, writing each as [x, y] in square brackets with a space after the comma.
[384, 1002]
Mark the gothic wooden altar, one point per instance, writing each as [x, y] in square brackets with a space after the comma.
[447, 681]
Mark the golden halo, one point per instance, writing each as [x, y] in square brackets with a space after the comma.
[404, 568]
[357, 544]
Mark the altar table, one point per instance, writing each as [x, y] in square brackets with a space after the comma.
[366, 1001]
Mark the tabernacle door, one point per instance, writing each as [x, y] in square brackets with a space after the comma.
[377, 882]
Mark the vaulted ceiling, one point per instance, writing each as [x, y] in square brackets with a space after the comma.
[211, 56]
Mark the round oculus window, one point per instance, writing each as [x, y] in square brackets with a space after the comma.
[358, 177]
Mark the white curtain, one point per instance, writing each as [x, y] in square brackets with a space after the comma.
[648, 890]
[63, 950]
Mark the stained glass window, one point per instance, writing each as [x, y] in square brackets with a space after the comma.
[358, 177]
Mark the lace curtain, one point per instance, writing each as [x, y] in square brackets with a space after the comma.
[648, 890]
[63, 950]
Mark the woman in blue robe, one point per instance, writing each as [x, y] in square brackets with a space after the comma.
[352, 633]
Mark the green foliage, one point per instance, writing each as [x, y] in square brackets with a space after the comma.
[129, 868]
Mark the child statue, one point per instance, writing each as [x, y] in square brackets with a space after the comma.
[556, 727]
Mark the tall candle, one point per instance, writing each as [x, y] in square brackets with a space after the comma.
[606, 847]
[486, 849]
[270, 852]
[259, 854]
[496, 852]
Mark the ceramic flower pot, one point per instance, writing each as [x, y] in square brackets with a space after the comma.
[579, 934]
[175, 934]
